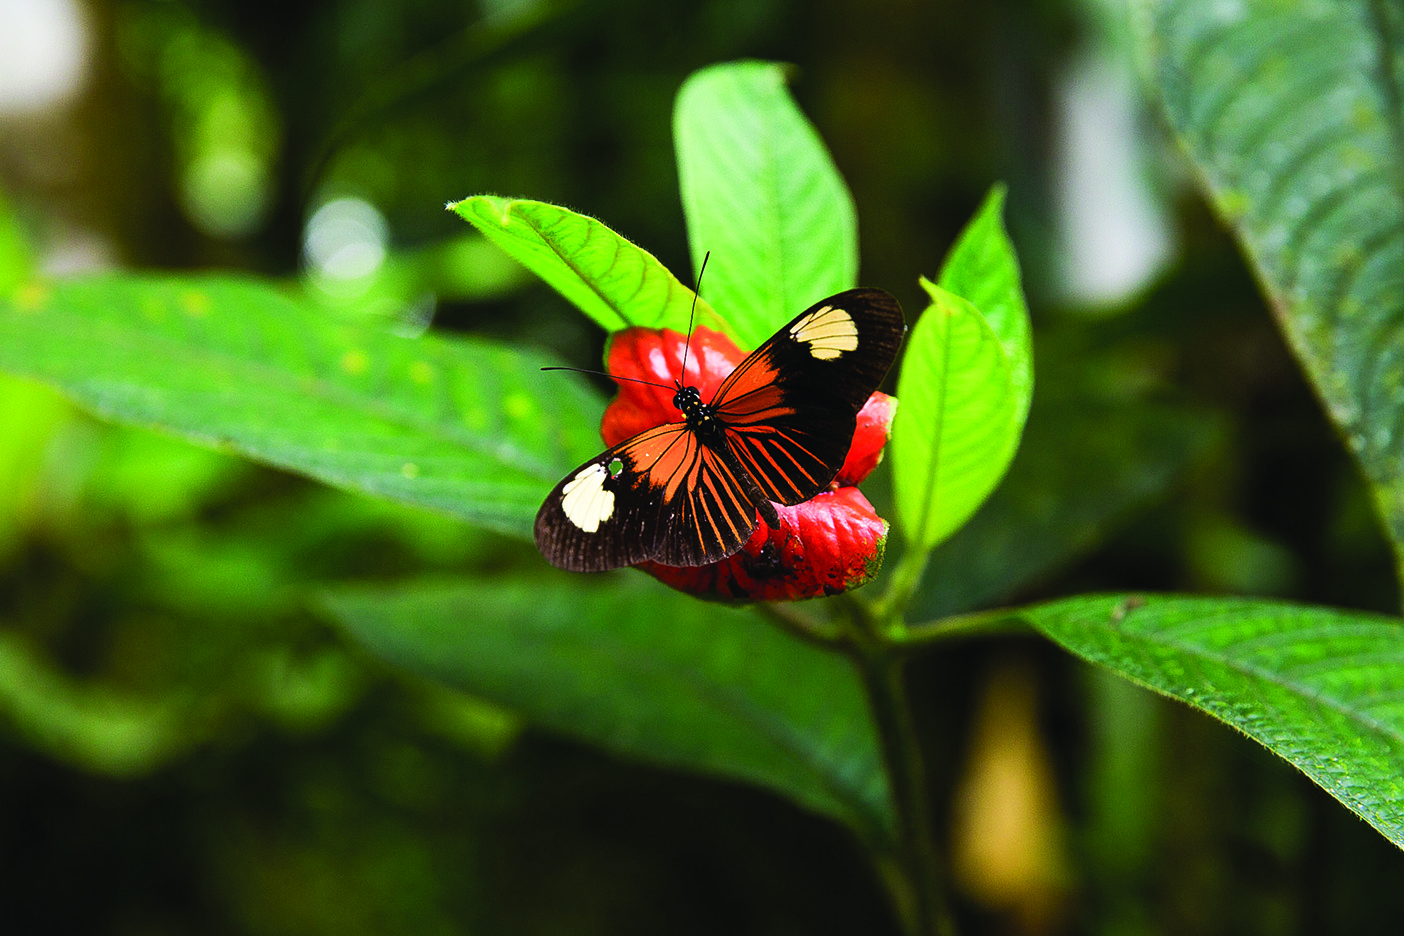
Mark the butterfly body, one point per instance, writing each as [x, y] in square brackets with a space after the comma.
[777, 430]
[711, 432]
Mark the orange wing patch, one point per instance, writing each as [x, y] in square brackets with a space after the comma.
[666, 455]
[700, 492]
[755, 374]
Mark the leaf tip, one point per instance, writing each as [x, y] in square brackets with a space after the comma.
[995, 197]
[938, 293]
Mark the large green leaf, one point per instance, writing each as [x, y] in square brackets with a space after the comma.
[1292, 114]
[467, 427]
[958, 423]
[762, 194]
[1322, 688]
[644, 671]
[1083, 468]
[610, 279]
[983, 269]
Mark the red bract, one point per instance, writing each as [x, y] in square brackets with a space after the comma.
[830, 543]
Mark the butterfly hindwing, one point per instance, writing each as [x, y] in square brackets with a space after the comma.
[790, 408]
[659, 495]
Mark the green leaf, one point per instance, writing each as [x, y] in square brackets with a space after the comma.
[1323, 689]
[958, 423]
[613, 281]
[646, 672]
[1082, 469]
[762, 194]
[467, 427]
[30, 417]
[1291, 112]
[983, 269]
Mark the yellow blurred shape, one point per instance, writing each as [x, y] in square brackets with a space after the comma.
[355, 362]
[195, 304]
[1008, 852]
[31, 297]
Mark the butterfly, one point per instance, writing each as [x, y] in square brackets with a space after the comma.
[690, 492]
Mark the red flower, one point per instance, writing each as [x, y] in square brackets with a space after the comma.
[830, 543]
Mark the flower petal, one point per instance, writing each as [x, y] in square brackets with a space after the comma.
[826, 545]
[657, 355]
[873, 431]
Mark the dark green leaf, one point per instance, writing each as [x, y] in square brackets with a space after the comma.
[762, 194]
[89, 726]
[1081, 470]
[643, 671]
[1322, 688]
[467, 427]
[1292, 114]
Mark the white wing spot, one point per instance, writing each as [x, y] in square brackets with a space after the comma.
[584, 500]
[828, 331]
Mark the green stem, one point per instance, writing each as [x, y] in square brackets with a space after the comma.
[821, 633]
[922, 902]
[905, 579]
[975, 624]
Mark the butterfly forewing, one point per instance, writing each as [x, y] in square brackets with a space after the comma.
[660, 495]
[790, 408]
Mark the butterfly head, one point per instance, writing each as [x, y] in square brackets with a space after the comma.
[687, 400]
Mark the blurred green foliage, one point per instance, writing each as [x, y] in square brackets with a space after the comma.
[186, 747]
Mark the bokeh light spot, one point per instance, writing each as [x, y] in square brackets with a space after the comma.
[43, 53]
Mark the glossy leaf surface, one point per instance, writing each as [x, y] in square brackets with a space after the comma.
[1322, 688]
[1291, 113]
[983, 269]
[957, 422]
[615, 282]
[763, 195]
[467, 427]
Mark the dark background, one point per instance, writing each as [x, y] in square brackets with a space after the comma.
[303, 788]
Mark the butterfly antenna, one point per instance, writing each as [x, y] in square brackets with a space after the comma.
[691, 313]
[581, 370]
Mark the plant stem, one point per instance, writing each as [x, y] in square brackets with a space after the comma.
[821, 633]
[891, 605]
[926, 913]
[974, 624]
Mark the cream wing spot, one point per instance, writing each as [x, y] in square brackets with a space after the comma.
[829, 332]
[584, 500]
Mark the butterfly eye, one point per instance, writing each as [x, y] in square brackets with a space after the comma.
[615, 467]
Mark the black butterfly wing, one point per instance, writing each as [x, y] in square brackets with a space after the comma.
[790, 408]
[660, 495]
